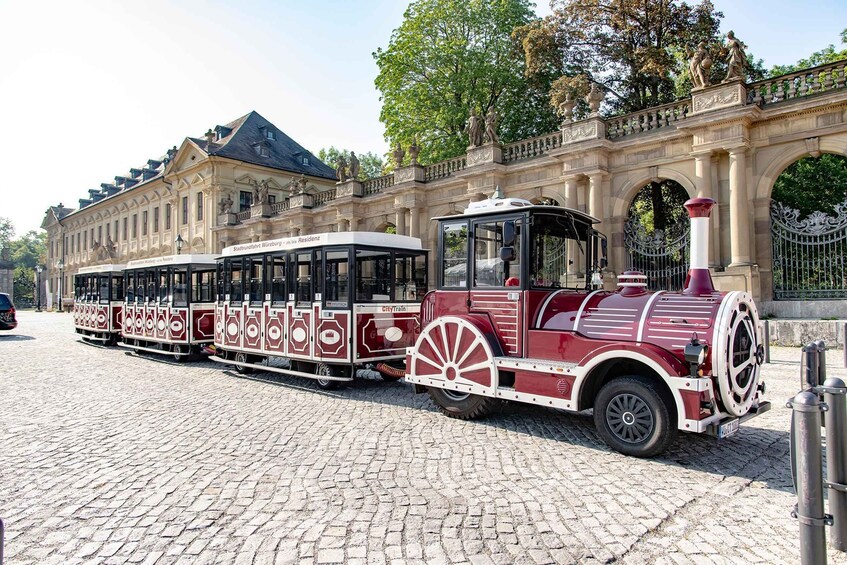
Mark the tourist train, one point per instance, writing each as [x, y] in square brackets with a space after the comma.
[98, 303]
[518, 313]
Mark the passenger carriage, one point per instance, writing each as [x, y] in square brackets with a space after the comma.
[320, 306]
[98, 303]
[516, 316]
[169, 307]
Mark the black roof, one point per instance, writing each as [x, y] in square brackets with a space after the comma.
[248, 132]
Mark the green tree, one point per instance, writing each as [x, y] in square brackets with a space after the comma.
[7, 232]
[449, 57]
[813, 184]
[634, 49]
[370, 164]
[826, 55]
[27, 252]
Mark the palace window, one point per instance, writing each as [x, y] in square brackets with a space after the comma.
[126, 223]
[135, 225]
[245, 200]
[167, 216]
[199, 206]
[156, 219]
[144, 222]
[184, 210]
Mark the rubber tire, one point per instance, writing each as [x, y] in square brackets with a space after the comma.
[664, 419]
[328, 370]
[182, 357]
[470, 408]
[242, 358]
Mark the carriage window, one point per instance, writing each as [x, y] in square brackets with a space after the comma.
[152, 285]
[454, 252]
[202, 283]
[336, 279]
[117, 287]
[554, 246]
[256, 292]
[140, 286]
[180, 291]
[410, 280]
[489, 268]
[277, 281]
[373, 275]
[235, 292]
[104, 289]
[219, 282]
[303, 279]
[164, 287]
[130, 287]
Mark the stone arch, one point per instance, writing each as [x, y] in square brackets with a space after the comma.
[789, 155]
[383, 225]
[623, 199]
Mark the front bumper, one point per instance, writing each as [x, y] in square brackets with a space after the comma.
[714, 430]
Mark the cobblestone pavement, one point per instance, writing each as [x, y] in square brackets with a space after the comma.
[110, 458]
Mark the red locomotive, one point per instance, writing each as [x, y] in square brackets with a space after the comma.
[320, 306]
[98, 303]
[511, 320]
[169, 308]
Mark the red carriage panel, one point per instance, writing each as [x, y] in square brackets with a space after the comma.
[385, 330]
[505, 312]
[275, 331]
[203, 324]
[149, 328]
[232, 327]
[300, 333]
[333, 335]
[117, 317]
[220, 317]
[253, 329]
[101, 318]
[178, 325]
[162, 323]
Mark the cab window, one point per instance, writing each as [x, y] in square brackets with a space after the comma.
[556, 243]
[489, 267]
[180, 290]
[454, 255]
[373, 275]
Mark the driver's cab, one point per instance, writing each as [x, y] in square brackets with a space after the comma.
[504, 257]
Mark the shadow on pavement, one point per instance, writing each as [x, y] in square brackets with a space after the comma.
[15, 337]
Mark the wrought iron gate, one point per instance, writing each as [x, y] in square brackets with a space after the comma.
[662, 255]
[809, 256]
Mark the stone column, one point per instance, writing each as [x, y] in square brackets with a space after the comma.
[342, 225]
[595, 197]
[703, 185]
[739, 218]
[400, 223]
[571, 202]
[354, 224]
[415, 222]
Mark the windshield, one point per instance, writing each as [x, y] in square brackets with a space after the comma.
[557, 246]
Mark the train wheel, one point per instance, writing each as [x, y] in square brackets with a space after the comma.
[329, 371]
[242, 358]
[633, 418]
[181, 353]
[462, 405]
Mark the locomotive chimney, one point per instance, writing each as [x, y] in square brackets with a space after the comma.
[699, 279]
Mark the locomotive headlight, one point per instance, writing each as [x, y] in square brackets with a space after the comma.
[695, 354]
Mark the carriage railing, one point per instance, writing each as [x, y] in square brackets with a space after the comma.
[661, 255]
[809, 255]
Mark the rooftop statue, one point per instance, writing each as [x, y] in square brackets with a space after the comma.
[474, 129]
[354, 165]
[699, 65]
[491, 126]
[225, 205]
[260, 191]
[341, 169]
[399, 154]
[736, 58]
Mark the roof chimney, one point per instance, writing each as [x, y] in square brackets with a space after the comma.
[699, 279]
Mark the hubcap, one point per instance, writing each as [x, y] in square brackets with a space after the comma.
[629, 418]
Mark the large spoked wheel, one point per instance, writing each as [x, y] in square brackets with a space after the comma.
[633, 418]
[461, 405]
[180, 353]
[242, 358]
[322, 369]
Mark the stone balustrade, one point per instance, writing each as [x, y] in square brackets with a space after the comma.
[532, 147]
[795, 85]
[321, 198]
[444, 169]
[241, 216]
[648, 120]
[278, 207]
[377, 184]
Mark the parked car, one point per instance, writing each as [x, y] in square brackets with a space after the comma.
[7, 313]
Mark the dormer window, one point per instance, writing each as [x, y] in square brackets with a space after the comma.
[262, 151]
[305, 160]
[269, 134]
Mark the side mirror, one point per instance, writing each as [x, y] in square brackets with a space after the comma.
[507, 254]
[508, 233]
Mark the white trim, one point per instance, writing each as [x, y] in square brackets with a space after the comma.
[546, 302]
[100, 269]
[582, 308]
[320, 239]
[168, 260]
[645, 313]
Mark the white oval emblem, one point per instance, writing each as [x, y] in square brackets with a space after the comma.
[252, 330]
[161, 325]
[176, 326]
[298, 335]
[139, 323]
[232, 328]
[150, 324]
[393, 333]
[330, 337]
[101, 318]
[273, 332]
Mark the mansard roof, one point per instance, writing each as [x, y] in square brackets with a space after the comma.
[246, 139]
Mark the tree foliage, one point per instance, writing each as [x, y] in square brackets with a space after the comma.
[450, 56]
[370, 164]
[7, 232]
[635, 49]
[26, 252]
[813, 184]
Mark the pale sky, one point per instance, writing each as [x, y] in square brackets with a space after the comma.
[91, 88]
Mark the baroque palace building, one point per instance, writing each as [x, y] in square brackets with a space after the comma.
[248, 181]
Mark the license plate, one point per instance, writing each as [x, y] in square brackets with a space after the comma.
[728, 429]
